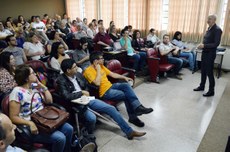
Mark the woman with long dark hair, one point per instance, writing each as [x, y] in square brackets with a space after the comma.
[57, 55]
[185, 51]
[24, 102]
[7, 67]
[81, 56]
[137, 41]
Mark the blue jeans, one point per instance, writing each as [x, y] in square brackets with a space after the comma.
[139, 60]
[102, 107]
[177, 62]
[124, 92]
[60, 139]
[191, 58]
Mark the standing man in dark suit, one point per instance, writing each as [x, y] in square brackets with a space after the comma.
[210, 42]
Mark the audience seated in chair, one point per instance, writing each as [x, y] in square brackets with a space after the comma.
[34, 49]
[72, 85]
[81, 56]
[20, 100]
[55, 37]
[85, 24]
[138, 42]
[80, 33]
[90, 31]
[184, 50]
[102, 38]
[168, 49]
[113, 33]
[20, 36]
[57, 55]
[138, 57]
[7, 67]
[10, 27]
[157, 64]
[17, 52]
[7, 135]
[97, 74]
[40, 29]
[151, 37]
[4, 32]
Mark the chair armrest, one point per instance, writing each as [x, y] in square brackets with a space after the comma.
[128, 69]
[153, 58]
[76, 110]
[24, 131]
[131, 72]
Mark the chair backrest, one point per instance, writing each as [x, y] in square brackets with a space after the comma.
[114, 66]
[76, 44]
[37, 65]
[5, 105]
[48, 62]
[163, 59]
[40, 69]
[152, 53]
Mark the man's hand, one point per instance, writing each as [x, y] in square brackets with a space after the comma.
[200, 46]
[33, 128]
[98, 67]
[128, 79]
[86, 93]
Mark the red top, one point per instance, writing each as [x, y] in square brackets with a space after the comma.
[103, 38]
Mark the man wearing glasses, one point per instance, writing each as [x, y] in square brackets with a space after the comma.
[17, 52]
[97, 74]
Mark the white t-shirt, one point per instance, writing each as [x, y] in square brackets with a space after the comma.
[90, 33]
[38, 26]
[55, 64]
[24, 97]
[14, 149]
[5, 33]
[32, 48]
[166, 47]
[152, 38]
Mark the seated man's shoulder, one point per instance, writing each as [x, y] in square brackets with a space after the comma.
[60, 78]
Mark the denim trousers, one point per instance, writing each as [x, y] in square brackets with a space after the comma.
[139, 61]
[102, 107]
[60, 139]
[123, 92]
[177, 62]
[191, 58]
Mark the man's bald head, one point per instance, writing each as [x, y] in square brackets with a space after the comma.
[7, 134]
[211, 19]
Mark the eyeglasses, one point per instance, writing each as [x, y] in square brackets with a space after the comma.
[13, 40]
[100, 58]
[62, 47]
[85, 45]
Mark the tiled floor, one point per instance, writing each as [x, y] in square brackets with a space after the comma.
[179, 120]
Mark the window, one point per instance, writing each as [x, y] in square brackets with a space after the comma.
[225, 2]
[165, 11]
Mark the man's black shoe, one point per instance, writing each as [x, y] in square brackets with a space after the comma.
[209, 94]
[198, 89]
[137, 122]
[142, 110]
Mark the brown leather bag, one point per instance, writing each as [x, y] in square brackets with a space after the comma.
[49, 118]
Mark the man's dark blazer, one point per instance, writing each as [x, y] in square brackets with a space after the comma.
[66, 88]
[212, 39]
